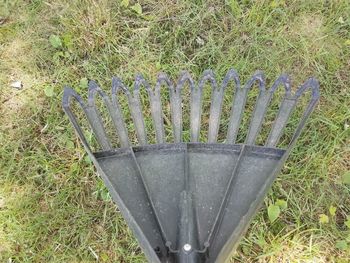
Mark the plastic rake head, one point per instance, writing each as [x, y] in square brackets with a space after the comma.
[189, 201]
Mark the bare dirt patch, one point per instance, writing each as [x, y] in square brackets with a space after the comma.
[310, 26]
[17, 66]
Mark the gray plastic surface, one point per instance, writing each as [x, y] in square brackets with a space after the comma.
[189, 201]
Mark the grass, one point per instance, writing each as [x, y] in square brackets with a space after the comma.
[53, 206]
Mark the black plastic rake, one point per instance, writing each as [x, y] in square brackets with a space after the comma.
[189, 201]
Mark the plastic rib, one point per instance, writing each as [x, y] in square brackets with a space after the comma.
[285, 111]
[196, 103]
[156, 105]
[136, 114]
[95, 121]
[113, 110]
[116, 114]
[314, 86]
[286, 108]
[139, 171]
[239, 104]
[258, 116]
[175, 104]
[261, 106]
[215, 112]
[236, 115]
[135, 108]
[216, 104]
[67, 96]
[228, 192]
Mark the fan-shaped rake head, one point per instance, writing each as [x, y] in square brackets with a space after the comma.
[189, 201]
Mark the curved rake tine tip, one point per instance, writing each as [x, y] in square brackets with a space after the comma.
[208, 75]
[141, 81]
[117, 83]
[184, 77]
[93, 89]
[69, 93]
[258, 76]
[162, 75]
[231, 75]
[311, 83]
[282, 79]
[163, 78]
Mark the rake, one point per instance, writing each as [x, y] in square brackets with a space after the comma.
[189, 201]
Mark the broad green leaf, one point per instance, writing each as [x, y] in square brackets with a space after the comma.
[83, 83]
[87, 159]
[125, 3]
[70, 144]
[58, 55]
[137, 8]
[273, 212]
[323, 219]
[67, 40]
[332, 210]
[104, 257]
[55, 41]
[105, 195]
[149, 17]
[342, 245]
[346, 178]
[49, 91]
[281, 203]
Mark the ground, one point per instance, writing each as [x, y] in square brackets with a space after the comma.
[54, 207]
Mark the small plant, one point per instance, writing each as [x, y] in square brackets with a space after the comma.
[341, 244]
[275, 209]
[323, 219]
[49, 91]
[55, 41]
[136, 7]
[332, 210]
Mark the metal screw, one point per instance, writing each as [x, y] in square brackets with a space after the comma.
[187, 247]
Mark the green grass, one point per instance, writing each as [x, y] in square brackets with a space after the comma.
[53, 206]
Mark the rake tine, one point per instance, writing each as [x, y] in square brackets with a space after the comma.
[69, 94]
[283, 115]
[176, 111]
[286, 109]
[216, 104]
[196, 103]
[215, 112]
[314, 85]
[176, 103]
[94, 116]
[134, 106]
[136, 112]
[116, 113]
[156, 105]
[239, 104]
[261, 106]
